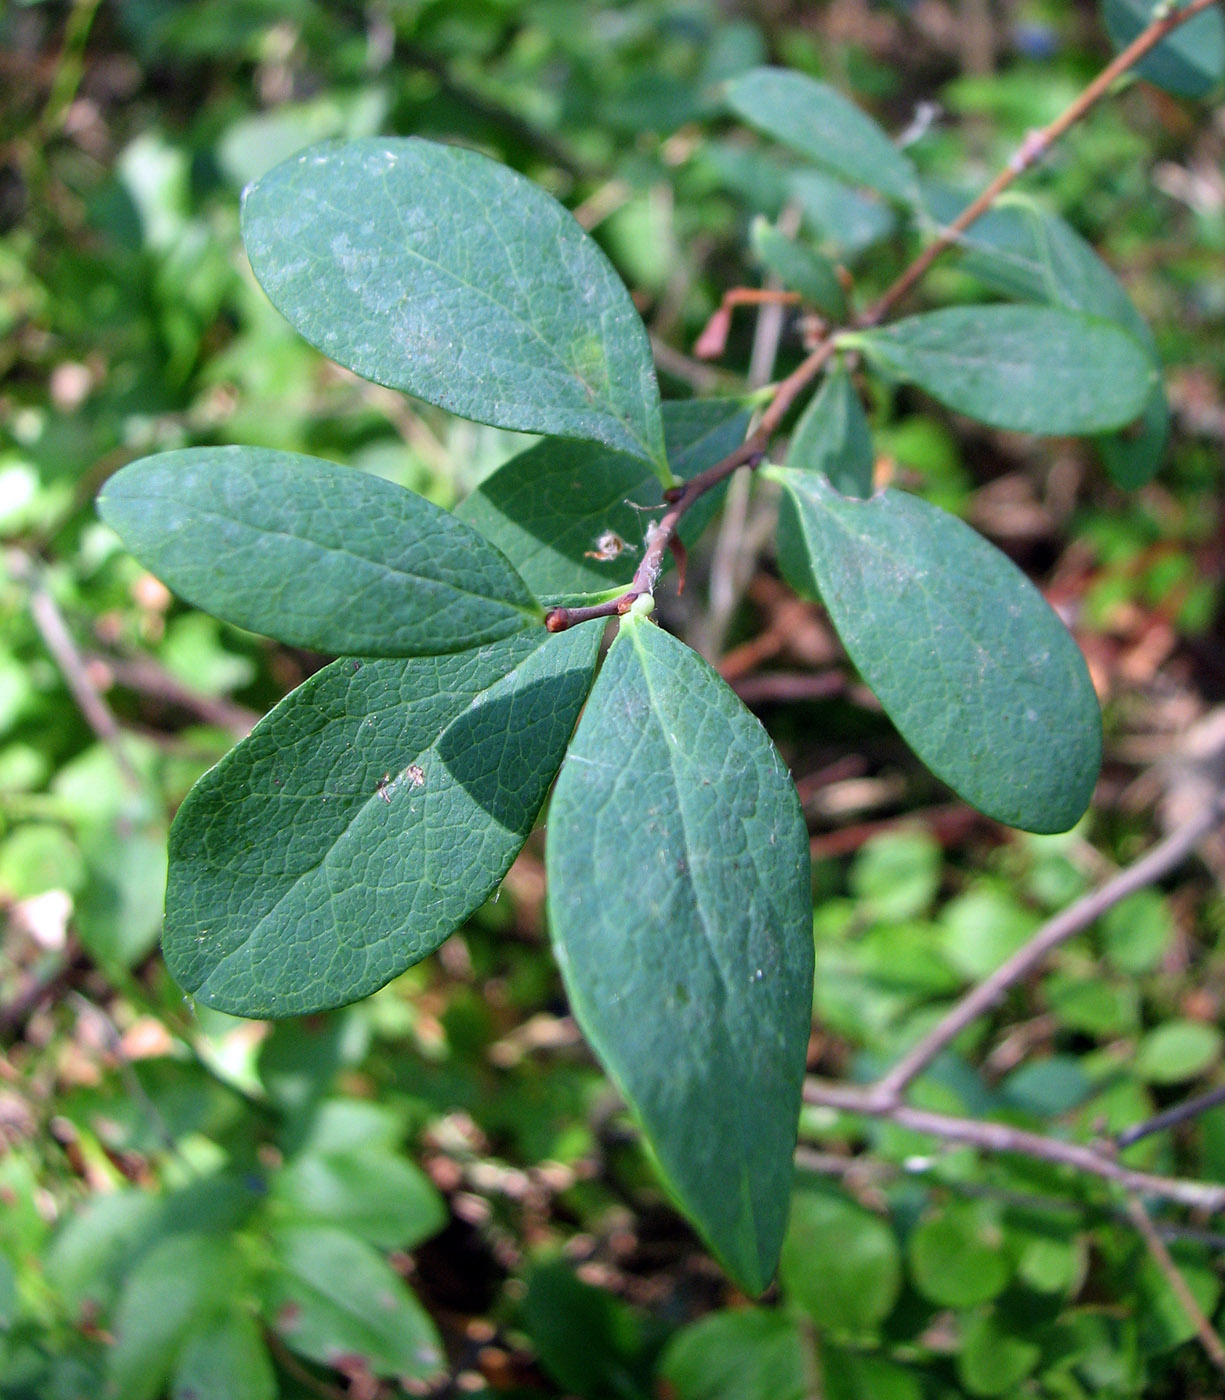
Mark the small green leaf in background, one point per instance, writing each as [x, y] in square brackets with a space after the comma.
[1189, 62]
[850, 1375]
[364, 819]
[589, 1341]
[823, 126]
[371, 1192]
[846, 221]
[840, 1262]
[958, 1257]
[994, 1359]
[833, 437]
[1176, 1051]
[981, 678]
[1136, 932]
[983, 927]
[224, 1358]
[176, 1287]
[680, 909]
[798, 268]
[1032, 369]
[565, 513]
[436, 270]
[750, 1354]
[315, 554]
[331, 1295]
[895, 875]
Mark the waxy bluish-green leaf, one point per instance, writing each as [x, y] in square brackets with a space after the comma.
[569, 515]
[1190, 61]
[981, 678]
[364, 819]
[436, 270]
[331, 1295]
[798, 268]
[1025, 251]
[680, 909]
[833, 437]
[1034, 369]
[823, 126]
[314, 554]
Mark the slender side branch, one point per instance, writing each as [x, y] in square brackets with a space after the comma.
[58, 641]
[1159, 861]
[1002, 1137]
[680, 498]
[1171, 1118]
[753, 449]
[1164, 1260]
[1031, 150]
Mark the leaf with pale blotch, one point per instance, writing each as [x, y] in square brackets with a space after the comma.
[1033, 369]
[981, 678]
[798, 268]
[314, 554]
[364, 819]
[823, 126]
[571, 517]
[680, 909]
[1189, 62]
[833, 437]
[436, 270]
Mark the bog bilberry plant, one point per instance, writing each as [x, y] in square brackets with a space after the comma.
[382, 802]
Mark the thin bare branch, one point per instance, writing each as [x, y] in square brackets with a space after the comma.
[1161, 1256]
[1003, 1138]
[1171, 1118]
[1167, 855]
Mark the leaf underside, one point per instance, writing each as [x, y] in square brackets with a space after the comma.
[436, 270]
[680, 910]
[314, 554]
[981, 678]
[364, 819]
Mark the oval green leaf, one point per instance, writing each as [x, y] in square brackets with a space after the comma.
[436, 270]
[367, 1190]
[799, 268]
[1189, 62]
[833, 437]
[314, 554]
[571, 517]
[981, 678]
[225, 1359]
[840, 1263]
[364, 819]
[817, 121]
[331, 1295]
[680, 908]
[1032, 369]
[1023, 250]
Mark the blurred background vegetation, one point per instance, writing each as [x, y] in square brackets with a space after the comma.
[436, 1192]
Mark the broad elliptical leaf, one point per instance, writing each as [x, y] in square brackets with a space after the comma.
[314, 554]
[981, 678]
[680, 910]
[436, 270]
[364, 819]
